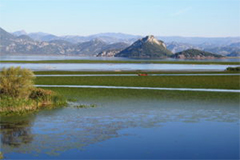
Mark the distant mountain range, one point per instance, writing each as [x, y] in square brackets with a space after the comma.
[106, 37]
[128, 38]
[23, 44]
[106, 44]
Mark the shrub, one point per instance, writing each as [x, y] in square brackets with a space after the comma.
[16, 82]
[233, 69]
[38, 93]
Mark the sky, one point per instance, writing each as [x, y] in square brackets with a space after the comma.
[190, 18]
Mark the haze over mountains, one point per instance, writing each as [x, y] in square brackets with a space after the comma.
[105, 44]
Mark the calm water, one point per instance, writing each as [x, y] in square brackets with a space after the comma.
[36, 58]
[109, 67]
[128, 127]
[115, 67]
[142, 88]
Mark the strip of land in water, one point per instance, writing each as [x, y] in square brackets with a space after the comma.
[123, 61]
[110, 75]
[128, 72]
[143, 88]
[213, 82]
[98, 94]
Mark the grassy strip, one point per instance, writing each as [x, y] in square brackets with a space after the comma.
[217, 82]
[97, 95]
[123, 61]
[128, 72]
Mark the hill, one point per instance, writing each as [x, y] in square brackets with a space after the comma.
[147, 47]
[195, 54]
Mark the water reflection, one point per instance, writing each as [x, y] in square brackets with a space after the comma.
[15, 134]
[53, 132]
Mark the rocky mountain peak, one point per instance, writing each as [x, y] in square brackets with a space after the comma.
[151, 39]
[147, 47]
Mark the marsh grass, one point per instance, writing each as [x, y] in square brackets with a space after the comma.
[95, 96]
[85, 106]
[125, 72]
[214, 82]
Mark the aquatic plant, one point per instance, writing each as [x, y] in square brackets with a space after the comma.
[86, 106]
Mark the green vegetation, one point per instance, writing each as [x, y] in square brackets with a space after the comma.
[18, 95]
[218, 82]
[125, 61]
[233, 69]
[126, 72]
[1, 155]
[96, 96]
[195, 54]
[16, 82]
[86, 106]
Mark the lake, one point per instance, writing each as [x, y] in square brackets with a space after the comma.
[50, 57]
[116, 67]
[128, 125]
[110, 66]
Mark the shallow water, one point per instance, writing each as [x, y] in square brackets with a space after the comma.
[124, 75]
[115, 67]
[45, 57]
[142, 88]
[127, 128]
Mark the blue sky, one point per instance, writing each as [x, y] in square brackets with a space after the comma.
[201, 18]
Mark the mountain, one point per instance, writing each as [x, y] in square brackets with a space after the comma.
[5, 38]
[112, 49]
[23, 44]
[195, 54]
[224, 49]
[147, 47]
[106, 37]
[234, 54]
[109, 53]
[178, 47]
[91, 47]
[20, 42]
[19, 33]
[38, 36]
[202, 41]
[199, 42]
